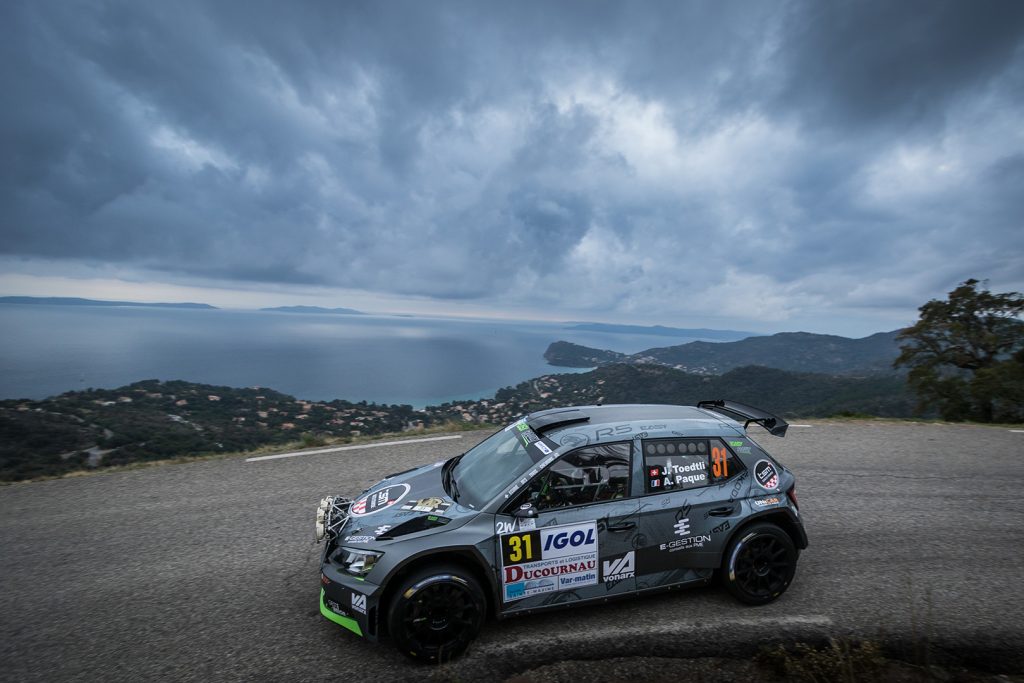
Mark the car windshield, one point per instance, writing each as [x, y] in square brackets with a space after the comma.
[490, 466]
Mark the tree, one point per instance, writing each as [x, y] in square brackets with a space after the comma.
[966, 355]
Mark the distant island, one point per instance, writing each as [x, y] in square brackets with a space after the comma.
[662, 331]
[792, 351]
[313, 309]
[75, 301]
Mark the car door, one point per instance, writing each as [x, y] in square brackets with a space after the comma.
[579, 546]
[692, 490]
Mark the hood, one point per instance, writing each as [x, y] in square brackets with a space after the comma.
[403, 504]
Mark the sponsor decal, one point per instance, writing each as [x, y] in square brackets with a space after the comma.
[686, 471]
[379, 500]
[548, 559]
[737, 486]
[433, 504]
[686, 543]
[573, 440]
[682, 527]
[766, 475]
[382, 529]
[619, 568]
[524, 524]
[735, 444]
[543, 447]
[359, 602]
[652, 428]
[528, 438]
[724, 526]
[587, 579]
[360, 539]
[522, 426]
[765, 502]
[609, 432]
[719, 462]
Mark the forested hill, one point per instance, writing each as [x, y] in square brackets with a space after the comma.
[154, 420]
[779, 391]
[794, 351]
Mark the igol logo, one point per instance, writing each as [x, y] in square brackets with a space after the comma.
[575, 539]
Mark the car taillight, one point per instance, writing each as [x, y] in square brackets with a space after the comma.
[792, 496]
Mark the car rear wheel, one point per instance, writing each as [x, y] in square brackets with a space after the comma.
[436, 612]
[759, 564]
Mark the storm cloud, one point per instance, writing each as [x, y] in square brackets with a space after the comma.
[668, 161]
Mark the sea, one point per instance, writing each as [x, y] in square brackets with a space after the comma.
[46, 350]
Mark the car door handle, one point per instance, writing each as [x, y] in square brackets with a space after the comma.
[721, 512]
[624, 526]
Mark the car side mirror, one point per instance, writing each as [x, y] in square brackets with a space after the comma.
[525, 511]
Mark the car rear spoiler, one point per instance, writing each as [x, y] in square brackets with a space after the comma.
[561, 418]
[775, 425]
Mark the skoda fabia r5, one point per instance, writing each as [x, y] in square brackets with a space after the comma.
[563, 507]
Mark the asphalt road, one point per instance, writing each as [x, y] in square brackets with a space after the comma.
[207, 571]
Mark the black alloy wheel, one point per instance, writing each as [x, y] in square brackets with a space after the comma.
[435, 613]
[759, 564]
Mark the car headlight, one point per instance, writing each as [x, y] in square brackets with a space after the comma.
[359, 562]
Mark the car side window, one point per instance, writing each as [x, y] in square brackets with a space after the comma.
[592, 474]
[674, 464]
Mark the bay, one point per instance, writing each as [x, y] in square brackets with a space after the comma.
[47, 350]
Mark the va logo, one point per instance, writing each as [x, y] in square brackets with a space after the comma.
[619, 568]
[359, 602]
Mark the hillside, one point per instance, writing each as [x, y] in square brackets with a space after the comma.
[568, 355]
[154, 420]
[662, 331]
[787, 393]
[793, 351]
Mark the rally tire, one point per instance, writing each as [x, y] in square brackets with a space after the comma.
[759, 564]
[436, 612]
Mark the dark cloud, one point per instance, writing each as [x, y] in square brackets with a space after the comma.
[894, 64]
[591, 157]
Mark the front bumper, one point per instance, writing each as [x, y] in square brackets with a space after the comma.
[349, 602]
[346, 622]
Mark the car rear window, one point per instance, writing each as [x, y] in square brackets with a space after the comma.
[674, 464]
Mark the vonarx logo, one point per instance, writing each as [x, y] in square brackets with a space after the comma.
[617, 569]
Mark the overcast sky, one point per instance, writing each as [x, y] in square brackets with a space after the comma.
[826, 166]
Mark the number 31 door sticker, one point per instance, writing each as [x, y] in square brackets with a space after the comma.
[550, 559]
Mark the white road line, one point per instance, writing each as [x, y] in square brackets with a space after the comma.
[315, 451]
[801, 425]
[1017, 431]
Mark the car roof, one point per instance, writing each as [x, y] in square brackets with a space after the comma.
[591, 417]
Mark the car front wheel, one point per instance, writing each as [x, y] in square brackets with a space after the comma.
[759, 564]
[436, 612]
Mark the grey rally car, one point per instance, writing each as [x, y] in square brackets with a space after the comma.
[563, 507]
